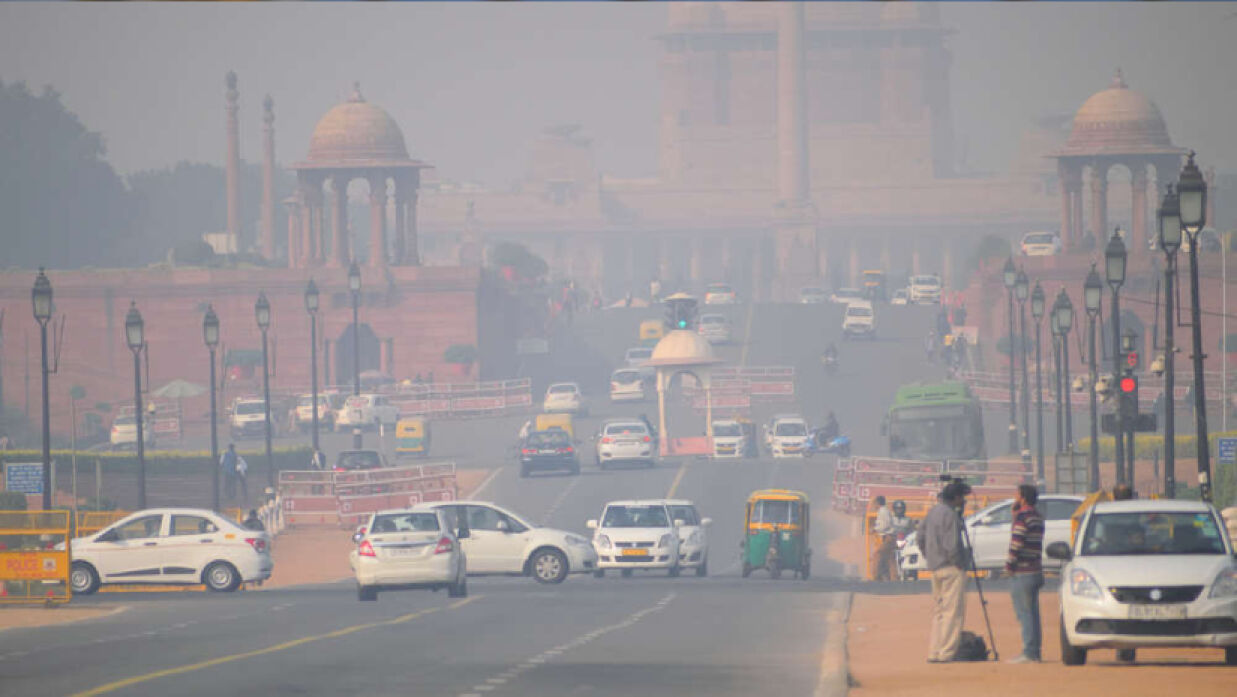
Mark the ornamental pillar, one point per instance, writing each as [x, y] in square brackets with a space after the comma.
[339, 211]
[377, 221]
[1138, 206]
[1099, 201]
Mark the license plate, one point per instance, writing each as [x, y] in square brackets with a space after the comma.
[1157, 612]
[635, 553]
[402, 551]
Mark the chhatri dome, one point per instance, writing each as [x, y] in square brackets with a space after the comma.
[1118, 120]
[682, 347]
[359, 131]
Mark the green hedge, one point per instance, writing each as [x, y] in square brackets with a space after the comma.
[1147, 446]
[163, 461]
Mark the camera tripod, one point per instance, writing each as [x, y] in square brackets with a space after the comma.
[983, 602]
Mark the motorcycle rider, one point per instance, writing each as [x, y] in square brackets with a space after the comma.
[830, 430]
[831, 353]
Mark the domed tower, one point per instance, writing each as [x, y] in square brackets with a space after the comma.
[1115, 126]
[355, 140]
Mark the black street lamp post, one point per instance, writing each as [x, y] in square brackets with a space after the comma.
[1114, 273]
[1192, 202]
[135, 331]
[210, 335]
[1170, 241]
[262, 312]
[311, 305]
[1054, 322]
[1092, 293]
[1037, 313]
[1065, 319]
[1022, 288]
[41, 298]
[1010, 276]
[354, 285]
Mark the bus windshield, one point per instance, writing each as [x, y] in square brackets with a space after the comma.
[936, 433]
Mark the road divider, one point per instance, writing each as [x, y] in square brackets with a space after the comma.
[346, 498]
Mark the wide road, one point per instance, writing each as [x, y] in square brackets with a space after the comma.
[649, 635]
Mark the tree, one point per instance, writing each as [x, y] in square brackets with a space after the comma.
[64, 205]
[525, 264]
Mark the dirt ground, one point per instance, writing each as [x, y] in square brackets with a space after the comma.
[12, 616]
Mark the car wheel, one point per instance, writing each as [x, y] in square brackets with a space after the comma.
[650, 464]
[1071, 655]
[523, 471]
[674, 571]
[83, 579]
[366, 593]
[221, 577]
[703, 569]
[575, 468]
[459, 589]
[599, 573]
[806, 571]
[549, 566]
[747, 569]
[1126, 655]
[627, 573]
[1230, 655]
[775, 569]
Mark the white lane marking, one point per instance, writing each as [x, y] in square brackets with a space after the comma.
[484, 483]
[678, 478]
[545, 519]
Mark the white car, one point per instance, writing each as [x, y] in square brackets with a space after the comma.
[366, 411]
[501, 543]
[901, 296]
[409, 548]
[728, 440]
[563, 397]
[693, 535]
[304, 412]
[715, 328]
[634, 535]
[925, 288]
[124, 431]
[637, 357]
[787, 436]
[813, 296]
[247, 419]
[719, 294]
[1040, 244]
[626, 440]
[1148, 573]
[186, 546]
[627, 385]
[844, 296]
[989, 530]
[859, 320]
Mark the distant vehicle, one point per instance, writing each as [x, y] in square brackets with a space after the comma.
[1209, 241]
[366, 411]
[693, 535]
[627, 385]
[715, 328]
[1040, 244]
[1147, 573]
[187, 546]
[412, 437]
[874, 284]
[651, 331]
[564, 397]
[124, 431]
[551, 422]
[408, 549]
[900, 297]
[728, 439]
[637, 356]
[935, 421]
[304, 413]
[925, 288]
[719, 294]
[548, 450]
[813, 296]
[634, 535]
[351, 460]
[248, 419]
[843, 296]
[859, 320]
[626, 440]
[787, 436]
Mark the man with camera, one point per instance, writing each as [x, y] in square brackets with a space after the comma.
[941, 541]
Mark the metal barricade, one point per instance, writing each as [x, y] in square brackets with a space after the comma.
[34, 557]
[90, 522]
[308, 497]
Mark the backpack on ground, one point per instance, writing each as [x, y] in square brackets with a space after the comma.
[971, 648]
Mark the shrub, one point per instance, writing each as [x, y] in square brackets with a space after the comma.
[12, 501]
[460, 353]
[166, 461]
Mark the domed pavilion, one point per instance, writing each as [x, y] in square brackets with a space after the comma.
[354, 140]
[683, 351]
[1116, 126]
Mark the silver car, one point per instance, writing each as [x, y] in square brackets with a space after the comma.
[625, 441]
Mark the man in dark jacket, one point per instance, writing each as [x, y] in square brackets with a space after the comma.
[1024, 564]
[941, 542]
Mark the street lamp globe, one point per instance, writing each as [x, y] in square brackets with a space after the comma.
[1021, 286]
[1037, 302]
[1127, 341]
[1192, 194]
[262, 309]
[1065, 312]
[354, 278]
[311, 297]
[210, 328]
[1170, 222]
[41, 297]
[1091, 291]
[1054, 318]
[1009, 275]
[1114, 261]
[134, 327]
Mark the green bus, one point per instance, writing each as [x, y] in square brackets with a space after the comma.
[935, 421]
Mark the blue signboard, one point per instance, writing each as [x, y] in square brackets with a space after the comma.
[23, 477]
[1228, 450]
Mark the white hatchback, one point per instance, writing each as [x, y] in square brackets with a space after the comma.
[409, 548]
[627, 385]
[728, 440]
[715, 328]
[564, 397]
[1148, 573]
[1040, 244]
[625, 441]
[787, 436]
[365, 411]
[925, 288]
[501, 543]
[719, 294]
[634, 535]
[186, 546]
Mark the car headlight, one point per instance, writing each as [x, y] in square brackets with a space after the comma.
[1225, 584]
[577, 540]
[664, 541]
[603, 541]
[1083, 585]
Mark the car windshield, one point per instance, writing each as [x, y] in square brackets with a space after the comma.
[359, 460]
[549, 439]
[639, 354]
[685, 513]
[309, 400]
[790, 428]
[811, 292]
[848, 293]
[776, 512]
[1152, 533]
[925, 281]
[562, 389]
[931, 433]
[854, 311]
[626, 377]
[1038, 238]
[727, 430]
[635, 517]
[124, 421]
[632, 429]
[899, 294]
[719, 288]
[250, 408]
[404, 522]
[712, 319]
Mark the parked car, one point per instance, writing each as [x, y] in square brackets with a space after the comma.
[719, 294]
[628, 384]
[625, 440]
[124, 432]
[1040, 244]
[366, 411]
[501, 543]
[350, 460]
[564, 397]
[925, 288]
[409, 549]
[632, 535]
[187, 546]
[303, 414]
[715, 328]
[813, 296]
[548, 450]
[1147, 573]
[859, 320]
[248, 419]
[901, 296]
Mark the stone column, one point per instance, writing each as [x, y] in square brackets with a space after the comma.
[1069, 236]
[268, 178]
[853, 280]
[663, 262]
[339, 209]
[293, 204]
[1075, 208]
[412, 243]
[1138, 207]
[1099, 202]
[233, 164]
[401, 221]
[696, 251]
[378, 221]
[304, 243]
[792, 143]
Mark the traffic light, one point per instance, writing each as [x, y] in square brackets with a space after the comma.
[681, 311]
[1129, 396]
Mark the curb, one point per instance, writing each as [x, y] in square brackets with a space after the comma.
[834, 662]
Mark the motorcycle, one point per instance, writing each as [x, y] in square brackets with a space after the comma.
[838, 445]
[830, 361]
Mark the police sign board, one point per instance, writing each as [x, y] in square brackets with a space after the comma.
[1227, 448]
[23, 477]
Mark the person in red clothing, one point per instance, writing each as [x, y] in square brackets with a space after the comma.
[1024, 563]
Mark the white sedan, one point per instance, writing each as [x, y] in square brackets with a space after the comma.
[625, 441]
[501, 543]
[186, 546]
[627, 384]
[564, 397]
[1147, 573]
[409, 548]
[634, 535]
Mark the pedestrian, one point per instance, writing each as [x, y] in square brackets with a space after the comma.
[1024, 564]
[929, 346]
[242, 475]
[1123, 492]
[886, 545]
[318, 460]
[253, 522]
[941, 541]
[227, 467]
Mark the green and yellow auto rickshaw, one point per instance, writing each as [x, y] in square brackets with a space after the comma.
[775, 533]
[412, 437]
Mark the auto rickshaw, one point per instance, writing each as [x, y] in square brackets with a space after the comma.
[412, 437]
[547, 422]
[651, 331]
[775, 533]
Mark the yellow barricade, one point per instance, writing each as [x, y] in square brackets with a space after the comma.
[90, 522]
[34, 557]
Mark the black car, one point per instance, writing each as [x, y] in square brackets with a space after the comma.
[548, 450]
[349, 460]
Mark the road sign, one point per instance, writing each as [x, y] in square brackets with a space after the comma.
[1228, 450]
[23, 477]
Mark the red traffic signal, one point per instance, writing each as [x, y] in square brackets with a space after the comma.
[1131, 359]
[1128, 384]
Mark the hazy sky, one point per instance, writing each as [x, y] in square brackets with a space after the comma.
[471, 84]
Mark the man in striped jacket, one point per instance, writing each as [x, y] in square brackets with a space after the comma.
[1026, 543]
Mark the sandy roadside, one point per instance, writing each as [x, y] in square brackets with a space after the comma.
[13, 617]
